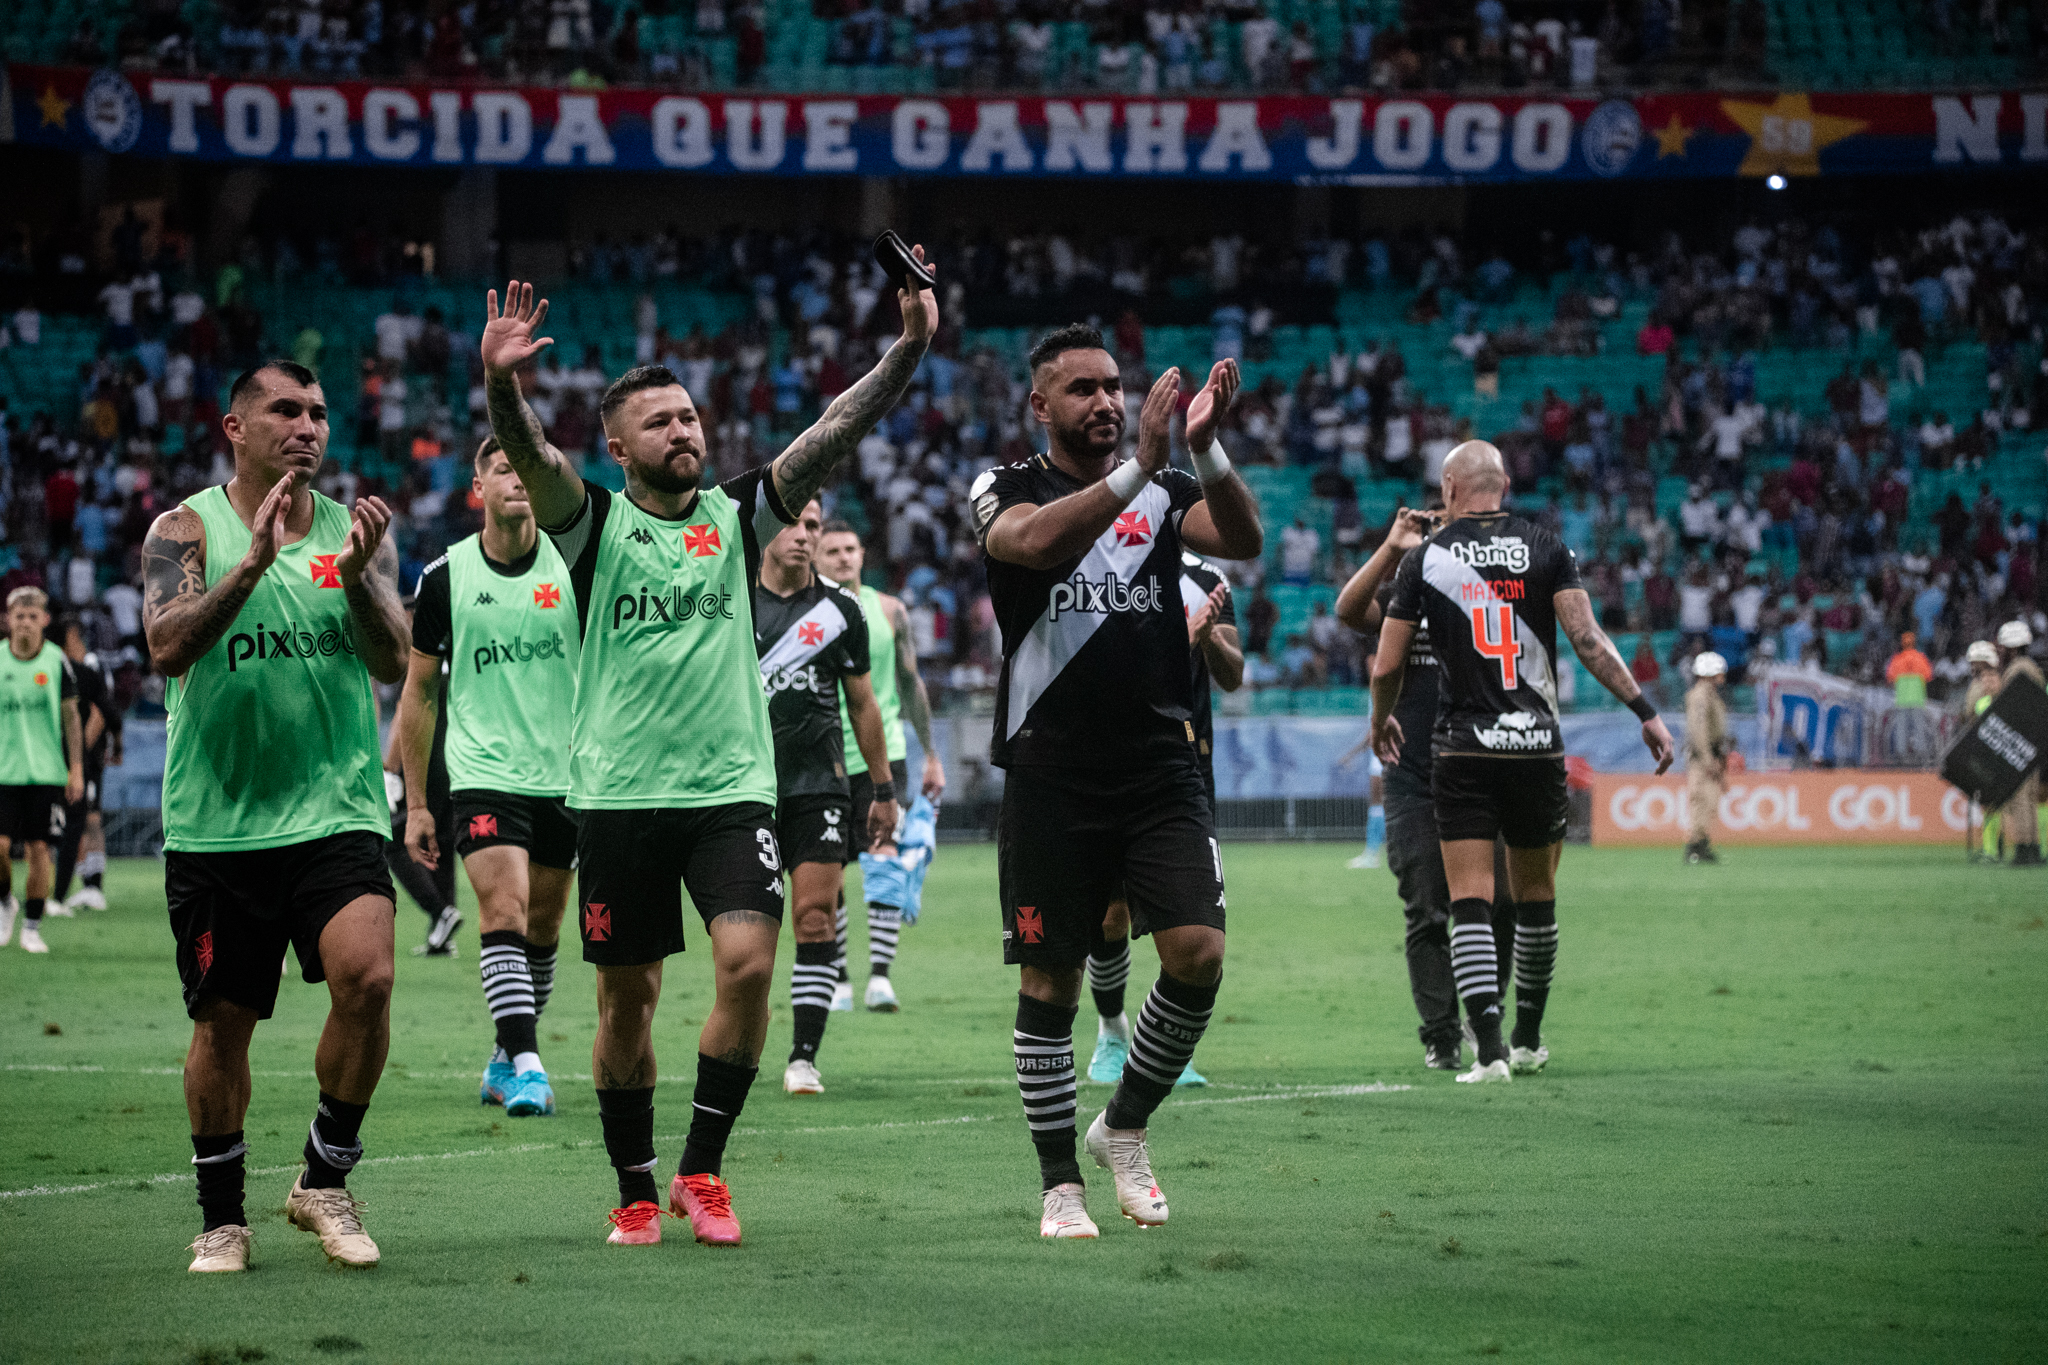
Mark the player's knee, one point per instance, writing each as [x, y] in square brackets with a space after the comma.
[813, 921]
[363, 989]
[501, 912]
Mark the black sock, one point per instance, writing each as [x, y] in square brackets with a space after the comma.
[1174, 1017]
[1477, 973]
[810, 997]
[1109, 967]
[1535, 956]
[721, 1094]
[628, 1119]
[334, 1145]
[33, 907]
[218, 1159]
[1044, 1046]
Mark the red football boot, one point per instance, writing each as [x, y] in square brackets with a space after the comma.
[707, 1202]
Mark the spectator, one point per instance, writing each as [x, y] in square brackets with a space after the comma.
[1300, 544]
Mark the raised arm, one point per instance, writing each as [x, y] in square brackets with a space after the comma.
[916, 702]
[1042, 536]
[369, 574]
[181, 617]
[801, 470]
[1355, 602]
[413, 743]
[1226, 523]
[866, 716]
[1603, 661]
[552, 484]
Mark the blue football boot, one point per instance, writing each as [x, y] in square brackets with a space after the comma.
[498, 1080]
[529, 1094]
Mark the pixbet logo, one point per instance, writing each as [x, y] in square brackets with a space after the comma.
[1079, 594]
[804, 679]
[516, 650]
[287, 642]
[670, 605]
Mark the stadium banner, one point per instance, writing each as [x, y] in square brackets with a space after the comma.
[1408, 139]
[1809, 717]
[1845, 806]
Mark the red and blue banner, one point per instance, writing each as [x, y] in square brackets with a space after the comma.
[1406, 139]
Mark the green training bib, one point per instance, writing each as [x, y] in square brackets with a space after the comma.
[273, 732]
[882, 674]
[511, 673]
[32, 718]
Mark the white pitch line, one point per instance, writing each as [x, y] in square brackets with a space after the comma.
[175, 1177]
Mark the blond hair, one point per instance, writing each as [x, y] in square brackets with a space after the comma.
[34, 596]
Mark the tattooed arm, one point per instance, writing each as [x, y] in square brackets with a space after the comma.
[803, 468]
[1603, 661]
[552, 484]
[181, 617]
[369, 572]
[915, 702]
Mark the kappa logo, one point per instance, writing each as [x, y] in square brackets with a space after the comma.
[484, 599]
[204, 951]
[1030, 924]
[326, 573]
[831, 834]
[483, 826]
[810, 632]
[547, 595]
[702, 541]
[1132, 528]
[597, 922]
[639, 536]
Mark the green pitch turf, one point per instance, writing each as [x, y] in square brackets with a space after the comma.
[1795, 1112]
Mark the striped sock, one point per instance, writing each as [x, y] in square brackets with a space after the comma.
[839, 942]
[1109, 967]
[1535, 958]
[885, 922]
[1173, 1020]
[1044, 1048]
[810, 998]
[508, 993]
[540, 965]
[1477, 973]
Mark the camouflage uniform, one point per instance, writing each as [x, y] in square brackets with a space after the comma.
[1707, 745]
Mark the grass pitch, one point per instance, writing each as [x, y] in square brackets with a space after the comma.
[1795, 1113]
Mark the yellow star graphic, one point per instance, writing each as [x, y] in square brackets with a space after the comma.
[1671, 138]
[54, 107]
[1786, 137]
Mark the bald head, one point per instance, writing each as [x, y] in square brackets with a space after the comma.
[1474, 478]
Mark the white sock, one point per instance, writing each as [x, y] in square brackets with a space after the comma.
[1120, 1026]
[527, 1061]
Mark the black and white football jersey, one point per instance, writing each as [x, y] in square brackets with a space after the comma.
[1095, 651]
[1485, 585]
[807, 642]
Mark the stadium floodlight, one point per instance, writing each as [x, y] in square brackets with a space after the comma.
[1776, 182]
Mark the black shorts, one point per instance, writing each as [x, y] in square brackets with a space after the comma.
[632, 866]
[32, 815]
[1071, 840]
[817, 829]
[864, 796]
[233, 913]
[1521, 800]
[541, 825]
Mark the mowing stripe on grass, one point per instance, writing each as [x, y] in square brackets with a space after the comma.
[175, 1177]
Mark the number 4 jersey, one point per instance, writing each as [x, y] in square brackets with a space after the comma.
[1485, 585]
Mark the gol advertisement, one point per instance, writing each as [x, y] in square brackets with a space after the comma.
[1843, 806]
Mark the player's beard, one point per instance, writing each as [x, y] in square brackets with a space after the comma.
[1084, 441]
[662, 477]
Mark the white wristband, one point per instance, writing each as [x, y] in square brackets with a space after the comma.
[1127, 480]
[1212, 464]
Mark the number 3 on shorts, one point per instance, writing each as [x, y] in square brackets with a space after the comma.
[771, 857]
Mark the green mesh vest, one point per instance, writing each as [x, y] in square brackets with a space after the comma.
[511, 673]
[273, 732]
[32, 718]
[882, 675]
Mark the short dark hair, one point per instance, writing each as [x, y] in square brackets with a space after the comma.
[484, 452]
[1075, 336]
[839, 526]
[632, 382]
[245, 382]
[67, 624]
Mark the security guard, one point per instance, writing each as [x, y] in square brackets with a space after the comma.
[2021, 816]
[1707, 745]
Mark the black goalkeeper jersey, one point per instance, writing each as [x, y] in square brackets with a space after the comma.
[1095, 650]
[1197, 581]
[807, 642]
[1485, 585]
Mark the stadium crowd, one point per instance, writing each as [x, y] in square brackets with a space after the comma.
[1138, 46]
[1796, 536]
